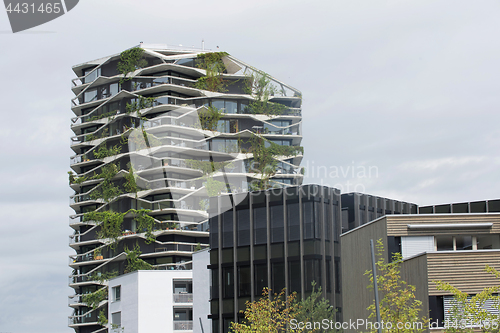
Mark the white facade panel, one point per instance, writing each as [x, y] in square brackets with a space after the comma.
[201, 292]
[413, 245]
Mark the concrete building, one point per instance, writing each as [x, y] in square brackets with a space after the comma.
[452, 248]
[151, 301]
[279, 238]
[157, 130]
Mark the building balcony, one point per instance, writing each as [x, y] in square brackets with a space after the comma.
[184, 325]
[184, 298]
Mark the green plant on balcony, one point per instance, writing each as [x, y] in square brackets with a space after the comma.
[209, 118]
[131, 60]
[95, 298]
[109, 114]
[134, 263]
[140, 139]
[102, 319]
[110, 225]
[214, 66]
[103, 151]
[102, 276]
[260, 87]
[139, 104]
[106, 190]
[91, 137]
[80, 180]
[130, 185]
[145, 223]
[197, 247]
[265, 162]
[72, 178]
[105, 132]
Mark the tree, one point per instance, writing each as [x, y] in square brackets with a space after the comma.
[398, 305]
[269, 314]
[315, 309]
[469, 310]
[277, 313]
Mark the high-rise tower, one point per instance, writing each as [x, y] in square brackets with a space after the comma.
[158, 131]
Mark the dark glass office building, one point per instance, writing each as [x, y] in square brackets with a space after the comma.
[278, 238]
[360, 208]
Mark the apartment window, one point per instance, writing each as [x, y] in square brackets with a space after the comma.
[116, 319]
[488, 242]
[117, 293]
[90, 96]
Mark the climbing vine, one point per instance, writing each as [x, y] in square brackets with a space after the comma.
[134, 263]
[106, 190]
[260, 87]
[209, 118]
[139, 104]
[214, 66]
[103, 151]
[214, 187]
[130, 185]
[102, 319]
[145, 223]
[110, 222]
[265, 163]
[95, 298]
[131, 60]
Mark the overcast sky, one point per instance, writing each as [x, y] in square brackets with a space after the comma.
[408, 88]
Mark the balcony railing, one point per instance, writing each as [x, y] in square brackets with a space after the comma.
[185, 325]
[75, 299]
[90, 317]
[179, 247]
[183, 298]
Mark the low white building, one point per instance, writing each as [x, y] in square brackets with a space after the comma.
[151, 301]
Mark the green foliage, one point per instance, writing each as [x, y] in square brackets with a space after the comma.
[110, 222]
[71, 177]
[141, 103]
[94, 299]
[101, 277]
[80, 180]
[209, 118]
[197, 247]
[470, 309]
[214, 66]
[104, 115]
[131, 185]
[91, 137]
[260, 87]
[214, 187]
[134, 263]
[102, 319]
[207, 167]
[265, 163]
[399, 304]
[103, 151]
[106, 190]
[131, 60]
[142, 139]
[145, 223]
[315, 309]
[269, 314]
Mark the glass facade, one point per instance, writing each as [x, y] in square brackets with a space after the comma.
[292, 230]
